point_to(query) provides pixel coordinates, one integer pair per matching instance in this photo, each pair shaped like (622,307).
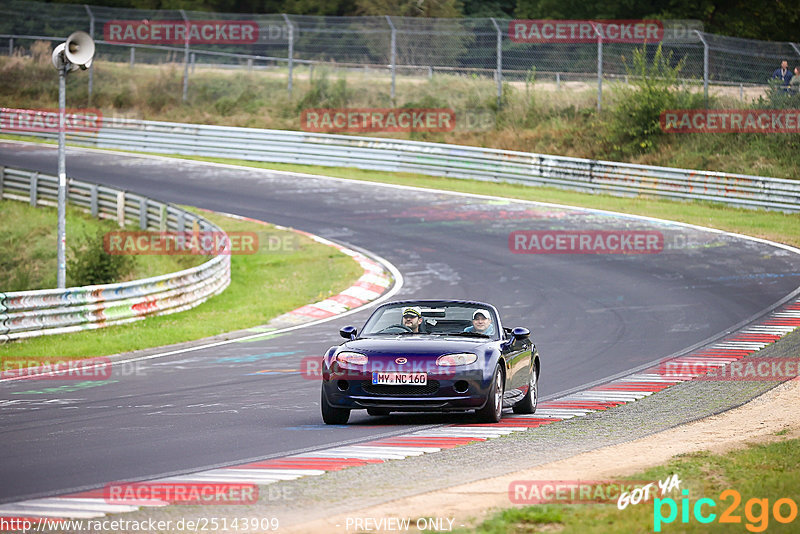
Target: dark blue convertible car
(431,355)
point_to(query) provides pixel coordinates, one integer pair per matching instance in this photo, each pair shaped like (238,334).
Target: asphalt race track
(593,316)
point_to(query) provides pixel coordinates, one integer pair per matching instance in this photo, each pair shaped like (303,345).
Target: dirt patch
(469,503)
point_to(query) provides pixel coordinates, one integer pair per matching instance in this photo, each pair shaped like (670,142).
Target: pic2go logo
(756,511)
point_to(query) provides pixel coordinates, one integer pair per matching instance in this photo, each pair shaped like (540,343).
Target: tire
(492,411)
(332,415)
(377,411)
(531,398)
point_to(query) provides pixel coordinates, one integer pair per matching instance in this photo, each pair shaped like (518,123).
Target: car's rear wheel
(492,411)
(332,415)
(531,398)
(377,411)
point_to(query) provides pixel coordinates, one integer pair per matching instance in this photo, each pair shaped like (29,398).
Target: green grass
(263,286)
(768,471)
(30,244)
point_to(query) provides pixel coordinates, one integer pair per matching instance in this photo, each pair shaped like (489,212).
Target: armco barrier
(25,314)
(438,159)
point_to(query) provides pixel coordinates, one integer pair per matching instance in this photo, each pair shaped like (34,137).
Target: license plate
(400,379)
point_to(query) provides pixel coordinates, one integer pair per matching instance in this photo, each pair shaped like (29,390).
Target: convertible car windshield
(423,318)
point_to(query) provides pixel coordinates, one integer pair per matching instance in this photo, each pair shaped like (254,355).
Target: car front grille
(376,389)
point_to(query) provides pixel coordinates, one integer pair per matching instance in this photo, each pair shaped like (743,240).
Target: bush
(323,93)
(90,264)
(635,125)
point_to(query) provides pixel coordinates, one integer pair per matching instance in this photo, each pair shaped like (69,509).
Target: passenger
(412,318)
(481,323)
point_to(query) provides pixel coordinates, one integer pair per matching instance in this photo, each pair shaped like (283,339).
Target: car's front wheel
(531,398)
(332,415)
(492,411)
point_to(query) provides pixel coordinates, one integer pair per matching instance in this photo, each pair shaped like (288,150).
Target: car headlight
(352,358)
(461,358)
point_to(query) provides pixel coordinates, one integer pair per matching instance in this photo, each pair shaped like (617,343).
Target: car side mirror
(520,333)
(348,332)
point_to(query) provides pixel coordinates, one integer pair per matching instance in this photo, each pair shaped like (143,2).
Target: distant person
(783,74)
(481,323)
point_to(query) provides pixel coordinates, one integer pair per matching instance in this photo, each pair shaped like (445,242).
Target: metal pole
(705,66)
(499,64)
(186,57)
(91,67)
(558,81)
(10,46)
(62,179)
(133,56)
(393,53)
(795,48)
(290,54)
(599,69)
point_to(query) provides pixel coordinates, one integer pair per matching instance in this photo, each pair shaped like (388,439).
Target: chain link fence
(387,47)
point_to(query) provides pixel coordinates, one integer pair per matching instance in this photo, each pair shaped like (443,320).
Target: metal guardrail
(25,314)
(437,159)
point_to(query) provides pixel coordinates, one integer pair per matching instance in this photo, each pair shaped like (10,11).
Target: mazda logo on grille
(400,361)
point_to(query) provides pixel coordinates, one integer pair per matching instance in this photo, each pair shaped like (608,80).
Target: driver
(481,323)
(412,318)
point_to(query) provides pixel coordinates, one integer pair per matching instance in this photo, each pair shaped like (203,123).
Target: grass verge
(761,474)
(31,242)
(263,286)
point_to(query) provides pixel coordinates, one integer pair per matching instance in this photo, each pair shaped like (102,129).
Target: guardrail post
(180,222)
(34,189)
(93,204)
(186,56)
(91,67)
(290,53)
(162,218)
(499,71)
(705,66)
(393,53)
(133,56)
(2,179)
(142,213)
(121,209)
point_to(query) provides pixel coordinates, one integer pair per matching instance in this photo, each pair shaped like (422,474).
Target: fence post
(142,213)
(499,63)
(393,52)
(795,48)
(10,46)
(558,81)
(34,189)
(193,61)
(290,53)
(705,66)
(186,56)
(599,69)
(133,56)
(91,67)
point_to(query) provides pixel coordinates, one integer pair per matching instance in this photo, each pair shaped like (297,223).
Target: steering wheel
(401,327)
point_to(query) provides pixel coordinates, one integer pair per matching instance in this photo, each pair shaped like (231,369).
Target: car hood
(415,345)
